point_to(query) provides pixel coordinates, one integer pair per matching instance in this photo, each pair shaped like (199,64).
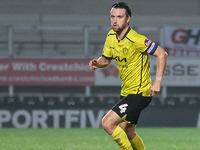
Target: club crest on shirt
(125,51)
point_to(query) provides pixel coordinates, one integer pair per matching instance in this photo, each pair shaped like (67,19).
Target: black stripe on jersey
(108,58)
(112,34)
(141,76)
(130,40)
(126,33)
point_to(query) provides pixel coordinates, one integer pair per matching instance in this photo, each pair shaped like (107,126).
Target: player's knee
(105,124)
(108,126)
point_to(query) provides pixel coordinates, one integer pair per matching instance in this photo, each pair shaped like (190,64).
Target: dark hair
(122,5)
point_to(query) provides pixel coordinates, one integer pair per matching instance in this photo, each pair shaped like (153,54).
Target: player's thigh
(130,107)
(129,129)
(110,121)
(127,126)
(111,118)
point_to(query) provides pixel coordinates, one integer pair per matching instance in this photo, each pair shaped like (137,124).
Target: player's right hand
(92,64)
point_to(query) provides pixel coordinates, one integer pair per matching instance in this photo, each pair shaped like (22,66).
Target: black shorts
(130,107)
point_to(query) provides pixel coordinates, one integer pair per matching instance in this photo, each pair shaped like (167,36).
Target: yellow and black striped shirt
(131,55)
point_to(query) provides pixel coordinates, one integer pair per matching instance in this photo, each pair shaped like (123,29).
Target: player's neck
(120,35)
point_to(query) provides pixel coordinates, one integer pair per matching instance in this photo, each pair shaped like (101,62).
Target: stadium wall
(60,117)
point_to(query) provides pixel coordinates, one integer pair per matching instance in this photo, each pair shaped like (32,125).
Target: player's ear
(128,19)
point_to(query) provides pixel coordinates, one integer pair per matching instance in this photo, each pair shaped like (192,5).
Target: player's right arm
(105,59)
(101,62)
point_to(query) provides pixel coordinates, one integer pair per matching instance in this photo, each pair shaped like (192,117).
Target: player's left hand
(155,89)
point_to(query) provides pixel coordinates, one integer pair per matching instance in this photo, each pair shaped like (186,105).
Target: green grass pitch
(96,139)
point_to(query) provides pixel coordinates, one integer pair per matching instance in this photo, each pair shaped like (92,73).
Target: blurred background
(45,47)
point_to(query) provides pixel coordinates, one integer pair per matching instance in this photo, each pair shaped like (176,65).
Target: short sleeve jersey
(131,55)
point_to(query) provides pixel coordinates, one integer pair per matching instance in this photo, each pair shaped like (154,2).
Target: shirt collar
(126,33)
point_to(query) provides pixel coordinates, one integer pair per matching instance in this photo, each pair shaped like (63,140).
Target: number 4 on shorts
(123,108)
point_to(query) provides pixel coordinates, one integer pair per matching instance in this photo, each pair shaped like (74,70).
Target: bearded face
(119,19)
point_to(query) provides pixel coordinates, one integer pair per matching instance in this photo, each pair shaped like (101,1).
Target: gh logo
(123,108)
(182,36)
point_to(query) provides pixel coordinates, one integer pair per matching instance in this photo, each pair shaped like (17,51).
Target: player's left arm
(161,66)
